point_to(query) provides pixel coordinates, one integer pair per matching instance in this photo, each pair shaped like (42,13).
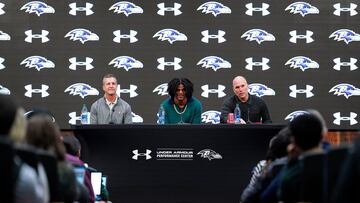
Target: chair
(312,178)
(7,171)
(50,164)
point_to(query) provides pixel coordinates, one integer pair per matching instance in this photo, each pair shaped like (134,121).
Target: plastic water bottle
(161,115)
(84,117)
(237,114)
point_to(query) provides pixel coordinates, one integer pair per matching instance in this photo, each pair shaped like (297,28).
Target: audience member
(29,186)
(110,109)
(181,107)
(253,108)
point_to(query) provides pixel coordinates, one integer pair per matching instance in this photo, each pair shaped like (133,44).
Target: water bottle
(84,117)
(237,114)
(161,115)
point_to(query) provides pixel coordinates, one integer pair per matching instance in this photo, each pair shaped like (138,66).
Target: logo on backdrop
(260,90)
(211,116)
(251,63)
(37,7)
(30,91)
(82,90)
(2,66)
(338,9)
(126,62)
(345,89)
(302,8)
(136,118)
(307,91)
(131,36)
(175,9)
(4,36)
(37,62)
(339,63)
(30,36)
(131,91)
(251,9)
(161,89)
(214,8)
(87,9)
(83,35)
(338,118)
(74,63)
(219,91)
(175,63)
(295,36)
(258,35)
(295,114)
(73,118)
(214,62)
(126,8)
(345,35)
(1,8)
(146,155)
(219,36)
(302,62)
(209,154)
(170,35)
(4,90)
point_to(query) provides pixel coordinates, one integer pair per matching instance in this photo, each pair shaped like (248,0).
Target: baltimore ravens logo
(82,90)
(258,35)
(136,118)
(126,8)
(170,35)
(214,62)
(295,114)
(260,90)
(214,8)
(4,90)
(126,62)
(302,8)
(4,36)
(345,35)
(302,62)
(345,89)
(161,89)
(212,117)
(209,154)
(83,35)
(37,62)
(37,7)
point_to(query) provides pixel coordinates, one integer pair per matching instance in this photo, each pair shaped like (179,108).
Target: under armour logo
(119,36)
(219,91)
(87,63)
(339,63)
(163,9)
(1,63)
(175,63)
(262,9)
(130,91)
(1,8)
(87,9)
(137,154)
(263,63)
(73,118)
(294,36)
(295,91)
(42,36)
(43,91)
(219,36)
(339,118)
(339,9)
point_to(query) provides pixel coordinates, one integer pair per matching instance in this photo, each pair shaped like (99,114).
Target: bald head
(240,87)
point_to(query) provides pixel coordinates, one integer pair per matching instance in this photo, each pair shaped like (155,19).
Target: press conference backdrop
(295,55)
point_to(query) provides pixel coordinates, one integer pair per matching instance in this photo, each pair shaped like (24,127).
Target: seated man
(181,107)
(110,109)
(253,108)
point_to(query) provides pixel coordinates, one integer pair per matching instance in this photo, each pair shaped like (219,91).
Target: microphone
(248,115)
(111,113)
